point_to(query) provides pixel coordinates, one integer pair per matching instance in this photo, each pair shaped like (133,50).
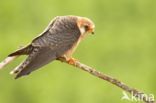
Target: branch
(114,81)
(140,95)
(7,61)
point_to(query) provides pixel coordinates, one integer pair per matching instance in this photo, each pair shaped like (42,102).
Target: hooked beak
(92,30)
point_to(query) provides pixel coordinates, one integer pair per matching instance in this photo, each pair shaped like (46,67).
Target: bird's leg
(69,60)
(72,61)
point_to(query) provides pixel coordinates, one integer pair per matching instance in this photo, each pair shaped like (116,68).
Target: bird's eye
(86,27)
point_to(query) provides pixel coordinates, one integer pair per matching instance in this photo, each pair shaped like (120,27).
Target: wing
(28,49)
(38,58)
(52,44)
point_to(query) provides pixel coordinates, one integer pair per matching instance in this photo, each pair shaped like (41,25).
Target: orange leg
(72,61)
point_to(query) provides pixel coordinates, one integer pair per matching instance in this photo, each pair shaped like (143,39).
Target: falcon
(58,41)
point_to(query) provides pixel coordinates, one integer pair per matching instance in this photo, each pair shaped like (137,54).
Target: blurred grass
(124,46)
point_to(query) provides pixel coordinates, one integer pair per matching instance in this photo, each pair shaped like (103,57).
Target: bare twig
(140,95)
(7,61)
(114,81)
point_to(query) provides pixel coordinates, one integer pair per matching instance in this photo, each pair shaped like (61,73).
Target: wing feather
(53,43)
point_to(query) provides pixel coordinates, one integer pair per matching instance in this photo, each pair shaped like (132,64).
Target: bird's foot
(72,61)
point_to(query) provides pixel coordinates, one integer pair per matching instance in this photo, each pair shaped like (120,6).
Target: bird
(58,41)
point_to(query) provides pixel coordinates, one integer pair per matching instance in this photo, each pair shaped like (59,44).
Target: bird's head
(85,25)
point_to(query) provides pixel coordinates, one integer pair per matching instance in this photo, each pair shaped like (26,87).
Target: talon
(72,61)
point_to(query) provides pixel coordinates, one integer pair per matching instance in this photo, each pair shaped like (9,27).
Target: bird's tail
(23,51)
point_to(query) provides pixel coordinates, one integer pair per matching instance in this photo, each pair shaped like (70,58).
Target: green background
(124,46)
